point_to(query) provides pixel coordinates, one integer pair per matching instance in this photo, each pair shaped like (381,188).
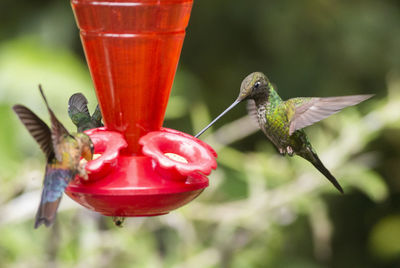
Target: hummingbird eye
(257,84)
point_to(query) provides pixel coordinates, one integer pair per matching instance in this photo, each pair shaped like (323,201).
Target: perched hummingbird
(79,113)
(283,121)
(63,152)
(80,116)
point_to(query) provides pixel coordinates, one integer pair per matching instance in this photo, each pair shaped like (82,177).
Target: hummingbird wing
(97,116)
(37,128)
(252,111)
(58,131)
(55,182)
(77,108)
(307,111)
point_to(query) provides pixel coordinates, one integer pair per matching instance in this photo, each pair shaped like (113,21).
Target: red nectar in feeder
(132,48)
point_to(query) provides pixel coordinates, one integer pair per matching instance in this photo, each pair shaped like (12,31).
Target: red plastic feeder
(132,48)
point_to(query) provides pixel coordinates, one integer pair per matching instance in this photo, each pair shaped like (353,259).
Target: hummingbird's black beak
(218,117)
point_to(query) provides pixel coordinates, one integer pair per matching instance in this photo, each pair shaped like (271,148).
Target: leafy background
(261,209)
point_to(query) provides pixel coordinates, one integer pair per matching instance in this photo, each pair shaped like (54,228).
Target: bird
(63,152)
(283,121)
(79,113)
(80,116)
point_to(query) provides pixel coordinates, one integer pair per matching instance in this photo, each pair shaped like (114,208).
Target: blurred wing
(252,111)
(37,128)
(58,131)
(77,108)
(312,110)
(55,182)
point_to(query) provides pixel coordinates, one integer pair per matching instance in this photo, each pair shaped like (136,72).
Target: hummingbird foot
(289,151)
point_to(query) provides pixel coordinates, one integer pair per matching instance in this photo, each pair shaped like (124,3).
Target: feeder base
(135,189)
(135,206)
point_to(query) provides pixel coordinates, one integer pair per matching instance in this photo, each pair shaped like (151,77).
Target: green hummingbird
(79,113)
(80,116)
(63,152)
(283,121)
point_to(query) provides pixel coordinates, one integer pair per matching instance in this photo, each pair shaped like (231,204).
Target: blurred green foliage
(261,210)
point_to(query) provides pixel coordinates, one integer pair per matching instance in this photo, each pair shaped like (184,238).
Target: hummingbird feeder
(132,48)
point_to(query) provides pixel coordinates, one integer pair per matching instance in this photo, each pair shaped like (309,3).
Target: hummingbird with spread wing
(80,116)
(283,121)
(63,152)
(79,113)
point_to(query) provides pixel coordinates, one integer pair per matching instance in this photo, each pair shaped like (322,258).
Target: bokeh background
(261,209)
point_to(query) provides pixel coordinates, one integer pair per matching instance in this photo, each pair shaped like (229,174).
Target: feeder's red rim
(201,158)
(172,187)
(74,189)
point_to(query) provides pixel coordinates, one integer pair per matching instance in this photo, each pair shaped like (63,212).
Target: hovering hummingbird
(63,152)
(79,113)
(283,121)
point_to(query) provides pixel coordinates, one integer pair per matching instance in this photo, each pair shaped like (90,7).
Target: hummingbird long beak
(218,117)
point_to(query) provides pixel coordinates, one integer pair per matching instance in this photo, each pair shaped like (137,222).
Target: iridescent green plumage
(80,116)
(79,113)
(283,121)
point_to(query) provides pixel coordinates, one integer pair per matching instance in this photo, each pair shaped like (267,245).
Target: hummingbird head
(86,145)
(254,84)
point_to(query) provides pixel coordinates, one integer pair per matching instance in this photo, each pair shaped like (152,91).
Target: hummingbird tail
(314,159)
(46,213)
